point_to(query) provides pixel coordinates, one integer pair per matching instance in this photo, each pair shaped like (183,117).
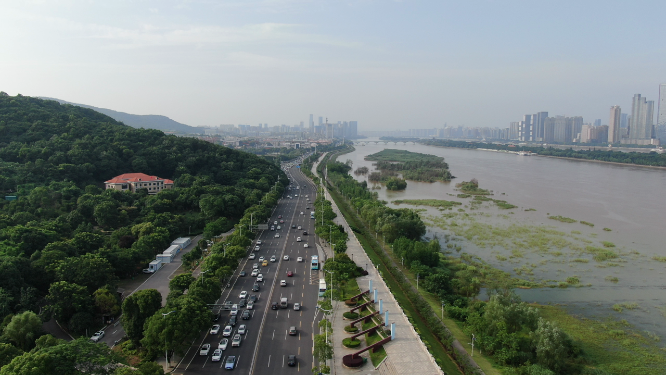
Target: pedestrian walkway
(406,354)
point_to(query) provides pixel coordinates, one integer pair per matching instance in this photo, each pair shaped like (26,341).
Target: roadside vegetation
(412,165)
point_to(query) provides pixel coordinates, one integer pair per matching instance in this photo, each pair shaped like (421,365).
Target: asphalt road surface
(266,344)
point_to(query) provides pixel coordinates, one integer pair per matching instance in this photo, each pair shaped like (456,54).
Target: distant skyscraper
(614,124)
(642,115)
(597,122)
(525,131)
(311,124)
(625,121)
(321,120)
(661,116)
(353,129)
(538,121)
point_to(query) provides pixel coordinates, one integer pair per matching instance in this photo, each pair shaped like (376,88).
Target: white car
(252,256)
(243,294)
(215,329)
(234,309)
(97,336)
(205,349)
(242,329)
(305,245)
(275,222)
(286,257)
(261,259)
(273,259)
(283,282)
(297,306)
(301,212)
(257,248)
(260,277)
(217,355)
(279,227)
(254,273)
(299,259)
(250,305)
(227,331)
(298,239)
(258,242)
(277,235)
(299,227)
(236,341)
(223,344)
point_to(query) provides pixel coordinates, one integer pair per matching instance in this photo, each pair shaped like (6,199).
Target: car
(301,212)
(252,256)
(236,341)
(216,317)
(257,248)
(283,282)
(297,306)
(292,331)
(279,227)
(217,355)
(242,274)
(307,208)
(291,360)
(296,195)
(305,232)
(273,259)
(261,259)
(233,320)
(205,349)
(242,302)
(250,306)
(258,242)
(254,273)
(277,235)
(290,273)
(260,277)
(293,226)
(286,257)
(215,329)
(254,298)
(255,287)
(275,222)
(306,245)
(299,259)
(274,306)
(147,270)
(255,266)
(279,216)
(298,239)
(243,294)
(226,332)
(281,221)
(230,363)
(223,344)
(97,336)
(242,329)
(265,263)
(299,227)
(272,227)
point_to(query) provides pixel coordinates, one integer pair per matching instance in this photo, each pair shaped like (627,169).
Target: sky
(387,64)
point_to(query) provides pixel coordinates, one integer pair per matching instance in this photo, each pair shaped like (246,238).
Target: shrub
(351,329)
(350,315)
(349,343)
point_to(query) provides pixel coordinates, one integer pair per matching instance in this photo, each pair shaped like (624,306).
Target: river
(627,200)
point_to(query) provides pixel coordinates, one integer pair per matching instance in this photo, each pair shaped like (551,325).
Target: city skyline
(388,65)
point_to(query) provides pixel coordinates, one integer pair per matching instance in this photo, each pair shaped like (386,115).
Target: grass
(607,229)
(611,346)
(619,307)
(612,279)
(428,202)
(562,219)
(659,258)
(586,223)
(607,244)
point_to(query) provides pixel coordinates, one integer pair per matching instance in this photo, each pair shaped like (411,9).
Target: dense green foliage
(412,165)
(640,158)
(66,239)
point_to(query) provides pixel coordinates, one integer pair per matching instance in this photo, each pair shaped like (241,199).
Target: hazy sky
(386,64)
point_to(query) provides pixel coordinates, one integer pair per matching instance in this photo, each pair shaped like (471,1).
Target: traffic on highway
(265,319)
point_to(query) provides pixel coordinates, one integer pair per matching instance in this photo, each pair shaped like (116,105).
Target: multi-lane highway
(267,344)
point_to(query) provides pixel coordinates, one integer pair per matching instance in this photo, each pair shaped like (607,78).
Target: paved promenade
(406,354)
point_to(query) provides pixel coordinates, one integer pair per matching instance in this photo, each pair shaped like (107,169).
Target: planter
(351,344)
(351,303)
(350,329)
(350,316)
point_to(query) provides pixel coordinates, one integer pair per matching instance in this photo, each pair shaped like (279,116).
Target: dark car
(254,298)
(242,302)
(216,317)
(242,273)
(274,305)
(255,287)
(305,232)
(245,315)
(293,226)
(291,360)
(232,321)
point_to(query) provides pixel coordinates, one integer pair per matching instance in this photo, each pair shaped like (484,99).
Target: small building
(182,242)
(136,181)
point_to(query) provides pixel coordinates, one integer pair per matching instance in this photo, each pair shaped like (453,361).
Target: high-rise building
(614,124)
(661,112)
(597,122)
(311,124)
(353,129)
(624,122)
(321,120)
(538,121)
(642,118)
(525,130)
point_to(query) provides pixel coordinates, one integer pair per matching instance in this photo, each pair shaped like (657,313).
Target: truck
(283,302)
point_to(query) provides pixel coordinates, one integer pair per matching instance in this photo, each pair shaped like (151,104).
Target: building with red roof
(135,181)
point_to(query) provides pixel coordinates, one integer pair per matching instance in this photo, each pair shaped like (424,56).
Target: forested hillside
(65,239)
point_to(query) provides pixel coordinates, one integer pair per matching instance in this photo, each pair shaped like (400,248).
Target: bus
(315,262)
(322,287)
(311,214)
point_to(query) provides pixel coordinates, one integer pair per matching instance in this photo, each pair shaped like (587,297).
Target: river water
(628,200)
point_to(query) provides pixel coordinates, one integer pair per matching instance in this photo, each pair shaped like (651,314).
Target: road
(266,344)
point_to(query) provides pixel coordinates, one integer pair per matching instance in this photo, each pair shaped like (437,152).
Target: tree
(181,282)
(552,346)
(7,353)
(137,308)
(66,299)
(107,214)
(322,349)
(90,270)
(23,329)
(106,302)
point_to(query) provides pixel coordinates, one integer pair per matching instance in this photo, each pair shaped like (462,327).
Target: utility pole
(166,352)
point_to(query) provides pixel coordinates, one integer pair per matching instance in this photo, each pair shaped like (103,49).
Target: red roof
(135,177)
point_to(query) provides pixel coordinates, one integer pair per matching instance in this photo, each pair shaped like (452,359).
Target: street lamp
(166,352)
(443,304)
(201,274)
(417,281)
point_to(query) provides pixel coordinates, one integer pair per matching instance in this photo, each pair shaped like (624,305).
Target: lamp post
(417,281)
(402,260)
(166,352)
(443,304)
(201,274)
